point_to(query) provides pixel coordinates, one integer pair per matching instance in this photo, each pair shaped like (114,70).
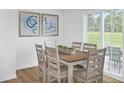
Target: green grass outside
(111,39)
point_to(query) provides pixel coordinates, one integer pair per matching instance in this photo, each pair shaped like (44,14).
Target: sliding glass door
(105,30)
(113,41)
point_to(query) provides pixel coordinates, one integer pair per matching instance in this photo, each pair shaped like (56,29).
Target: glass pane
(118,16)
(107,29)
(93,28)
(113,39)
(113,29)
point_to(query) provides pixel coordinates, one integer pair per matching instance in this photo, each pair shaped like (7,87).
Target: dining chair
(88,46)
(55,69)
(114,54)
(77,45)
(94,69)
(41,62)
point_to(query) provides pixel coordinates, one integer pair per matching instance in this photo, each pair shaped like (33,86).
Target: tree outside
(112,28)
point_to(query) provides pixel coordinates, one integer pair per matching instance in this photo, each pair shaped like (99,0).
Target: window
(93,28)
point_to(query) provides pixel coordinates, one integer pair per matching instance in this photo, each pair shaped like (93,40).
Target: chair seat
(82,74)
(78,67)
(63,69)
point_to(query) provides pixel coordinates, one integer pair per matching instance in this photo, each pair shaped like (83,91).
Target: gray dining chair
(41,62)
(55,69)
(93,72)
(86,47)
(114,54)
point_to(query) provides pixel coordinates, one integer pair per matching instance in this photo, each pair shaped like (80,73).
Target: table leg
(70,73)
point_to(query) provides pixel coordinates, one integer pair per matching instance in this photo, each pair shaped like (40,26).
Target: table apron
(73,63)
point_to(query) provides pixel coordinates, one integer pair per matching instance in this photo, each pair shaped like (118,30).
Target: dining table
(71,60)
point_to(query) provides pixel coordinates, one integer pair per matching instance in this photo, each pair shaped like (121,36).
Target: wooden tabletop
(73,57)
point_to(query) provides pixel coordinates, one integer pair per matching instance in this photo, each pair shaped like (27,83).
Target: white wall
(19,52)
(25,54)
(8,28)
(72,26)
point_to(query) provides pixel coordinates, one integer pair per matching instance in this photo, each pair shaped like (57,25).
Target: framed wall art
(29,24)
(50,25)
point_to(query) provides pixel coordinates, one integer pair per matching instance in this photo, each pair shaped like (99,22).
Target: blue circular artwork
(31,23)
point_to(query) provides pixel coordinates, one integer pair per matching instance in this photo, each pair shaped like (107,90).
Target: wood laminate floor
(30,75)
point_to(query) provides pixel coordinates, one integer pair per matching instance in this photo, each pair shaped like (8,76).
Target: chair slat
(89,46)
(77,45)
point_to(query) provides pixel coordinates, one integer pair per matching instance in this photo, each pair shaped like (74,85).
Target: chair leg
(59,80)
(100,80)
(49,78)
(64,80)
(119,67)
(44,77)
(39,75)
(114,64)
(74,80)
(109,65)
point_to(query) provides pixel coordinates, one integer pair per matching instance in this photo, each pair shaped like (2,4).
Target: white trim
(101,29)
(85,27)
(26,66)
(4,78)
(91,11)
(123,44)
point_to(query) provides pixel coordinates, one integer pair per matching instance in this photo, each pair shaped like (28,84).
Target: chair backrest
(50,44)
(95,62)
(114,53)
(88,46)
(40,54)
(77,45)
(52,57)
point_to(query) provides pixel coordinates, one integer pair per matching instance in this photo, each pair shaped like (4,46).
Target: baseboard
(4,78)
(26,66)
